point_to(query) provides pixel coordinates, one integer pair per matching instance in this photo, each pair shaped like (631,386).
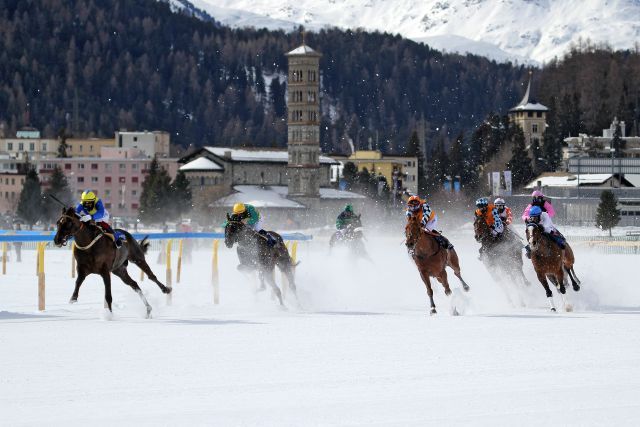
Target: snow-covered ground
(361,349)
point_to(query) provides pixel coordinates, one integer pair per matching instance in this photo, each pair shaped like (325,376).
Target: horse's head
(534,234)
(412,231)
(68,224)
(232,230)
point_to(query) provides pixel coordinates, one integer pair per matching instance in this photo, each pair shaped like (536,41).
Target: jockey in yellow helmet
(250,216)
(91,208)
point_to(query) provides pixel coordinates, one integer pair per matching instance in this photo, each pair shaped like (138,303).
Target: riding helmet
(88,196)
(482,202)
(499,202)
(348,208)
(535,211)
(414,203)
(239,208)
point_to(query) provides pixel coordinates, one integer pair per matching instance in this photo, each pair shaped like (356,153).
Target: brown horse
(95,253)
(502,254)
(255,251)
(431,259)
(551,262)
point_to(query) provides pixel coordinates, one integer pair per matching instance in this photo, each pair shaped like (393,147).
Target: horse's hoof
(447,292)
(433,311)
(148,314)
(166,290)
(73,300)
(553,309)
(466,288)
(576,288)
(568,308)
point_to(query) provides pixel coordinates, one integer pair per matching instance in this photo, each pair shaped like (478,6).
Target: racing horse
(431,259)
(254,251)
(503,253)
(351,237)
(95,253)
(551,262)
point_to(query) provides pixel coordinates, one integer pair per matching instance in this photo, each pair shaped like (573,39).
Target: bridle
(73,233)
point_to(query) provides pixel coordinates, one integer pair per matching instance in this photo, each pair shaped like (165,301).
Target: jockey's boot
(527,251)
(118,242)
(270,240)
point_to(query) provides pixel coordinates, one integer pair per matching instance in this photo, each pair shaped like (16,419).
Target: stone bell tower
(303,122)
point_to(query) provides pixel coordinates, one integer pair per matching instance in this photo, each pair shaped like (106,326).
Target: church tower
(531,116)
(303,122)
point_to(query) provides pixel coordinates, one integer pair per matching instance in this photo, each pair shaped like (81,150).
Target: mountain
(522,30)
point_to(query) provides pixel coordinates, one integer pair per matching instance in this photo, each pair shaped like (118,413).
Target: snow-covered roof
(260,197)
(529,104)
(303,50)
(633,178)
(569,180)
(275,196)
(201,164)
(258,155)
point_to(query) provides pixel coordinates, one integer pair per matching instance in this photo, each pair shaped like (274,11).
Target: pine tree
(608,214)
(456,158)
(414,149)
(520,163)
(617,143)
(155,201)
(437,167)
(58,187)
(30,202)
(182,198)
(349,173)
(63,146)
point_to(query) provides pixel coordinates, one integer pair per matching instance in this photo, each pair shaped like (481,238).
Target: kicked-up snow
(358,349)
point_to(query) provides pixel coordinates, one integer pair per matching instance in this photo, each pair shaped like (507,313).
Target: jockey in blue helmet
(543,219)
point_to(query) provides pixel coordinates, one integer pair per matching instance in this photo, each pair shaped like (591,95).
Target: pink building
(116,176)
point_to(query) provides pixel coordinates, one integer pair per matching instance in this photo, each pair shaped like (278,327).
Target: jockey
(345,218)
(491,216)
(543,219)
(538,199)
(92,208)
(428,218)
(504,211)
(245,211)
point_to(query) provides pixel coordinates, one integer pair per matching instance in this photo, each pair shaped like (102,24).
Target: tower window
(534,128)
(529,113)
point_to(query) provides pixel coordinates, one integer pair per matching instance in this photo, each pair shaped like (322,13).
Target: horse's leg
(142,264)
(543,280)
(574,284)
(81,276)
(269,276)
(106,278)
(427,284)
(573,273)
(454,263)
(123,274)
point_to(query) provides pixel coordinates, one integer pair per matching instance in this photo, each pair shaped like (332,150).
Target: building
(10,187)
(88,147)
(154,143)
(303,122)
(399,170)
(531,116)
(27,145)
(116,176)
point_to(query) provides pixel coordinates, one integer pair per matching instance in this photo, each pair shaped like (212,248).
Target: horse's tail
(144,244)
(137,249)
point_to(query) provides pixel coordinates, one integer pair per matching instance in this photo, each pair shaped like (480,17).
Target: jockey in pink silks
(538,199)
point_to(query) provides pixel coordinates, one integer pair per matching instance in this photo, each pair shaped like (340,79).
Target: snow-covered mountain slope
(538,30)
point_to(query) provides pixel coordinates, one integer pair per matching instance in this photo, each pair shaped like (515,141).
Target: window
(534,128)
(80,165)
(539,114)
(529,113)
(80,148)
(91,148)
(67,166)
(123,166)
(135,139)
(94,166)
(32,146)
(13,181)
(134,179)
(122,180)
(9,146)
(94,179)
(107,167)
(107,205)
(80,179)
(134,166)
(20,146)
(134,206)
(134,192)
(44,146)
(107,179)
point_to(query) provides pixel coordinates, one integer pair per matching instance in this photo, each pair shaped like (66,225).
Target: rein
(93,242)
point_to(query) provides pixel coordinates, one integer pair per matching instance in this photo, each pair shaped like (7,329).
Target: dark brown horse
(96,253)
(255,251)
(431,258)
(551,262)
(502,254)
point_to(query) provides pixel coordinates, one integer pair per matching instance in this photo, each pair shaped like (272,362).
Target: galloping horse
(95,253)
(551,262)
(351,237)
(502,254)
(254,250)
(431,258)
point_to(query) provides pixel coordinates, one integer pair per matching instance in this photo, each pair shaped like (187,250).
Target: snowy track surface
(361,351)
